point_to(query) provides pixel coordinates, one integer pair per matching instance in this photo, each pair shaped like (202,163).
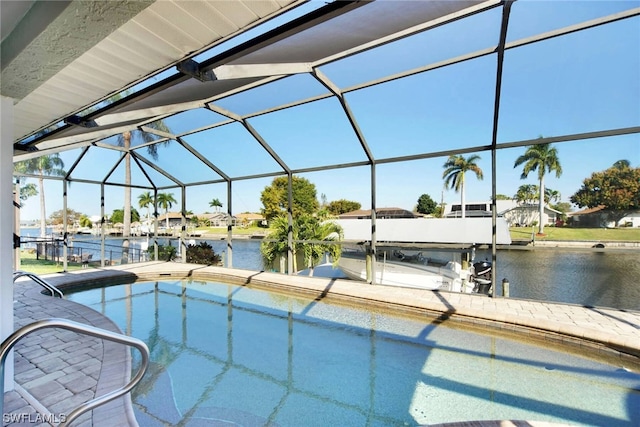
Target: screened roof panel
(545,94)
(367,22)
(157,179)
(529,17)
(189,169)
(475,33)
(311,135)
(112,140)
(189,90)
(96,164)
(444,109)
(193,119)
(583,81)
(280,92)
(234,150)
(138,178)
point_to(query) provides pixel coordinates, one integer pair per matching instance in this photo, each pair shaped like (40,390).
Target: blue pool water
(229,355)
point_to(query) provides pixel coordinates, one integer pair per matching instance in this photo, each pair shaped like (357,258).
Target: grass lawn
(565,233)
(28,262)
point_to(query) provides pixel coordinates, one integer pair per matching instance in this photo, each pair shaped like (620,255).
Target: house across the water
(515,214)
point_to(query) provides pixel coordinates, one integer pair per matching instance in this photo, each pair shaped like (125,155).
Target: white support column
(6,232)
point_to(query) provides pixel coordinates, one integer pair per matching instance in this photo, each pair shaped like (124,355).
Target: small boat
(418,271)
(395,266)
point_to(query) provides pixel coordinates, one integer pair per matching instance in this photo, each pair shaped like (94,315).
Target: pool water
(228,355)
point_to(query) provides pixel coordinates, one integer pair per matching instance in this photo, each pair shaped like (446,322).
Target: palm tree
(145,200)
(51,165)
(551,195)
(28,190)
(305,227)
(314,228)
(543,158)
(455,169)
(526,193)
(165,201)
(124,140)
(276,243)
(215,203)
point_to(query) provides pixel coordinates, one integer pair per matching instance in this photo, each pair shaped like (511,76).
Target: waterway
(573,276)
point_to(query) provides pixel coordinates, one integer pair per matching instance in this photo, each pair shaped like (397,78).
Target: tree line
(617,188)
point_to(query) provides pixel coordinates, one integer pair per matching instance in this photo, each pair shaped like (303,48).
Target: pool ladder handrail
(40,281)
(81,328)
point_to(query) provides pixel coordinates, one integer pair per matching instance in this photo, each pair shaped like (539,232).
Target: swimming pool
(224,354)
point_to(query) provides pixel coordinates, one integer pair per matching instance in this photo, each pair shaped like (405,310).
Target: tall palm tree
(215,203)
(51,165)
(165,201)
(455,169)
(28,190)
(145,200)
(124,140)
(542,158)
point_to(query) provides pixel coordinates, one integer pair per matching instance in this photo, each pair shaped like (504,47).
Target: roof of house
(171,215)
(587,211)
(250,216)
(221,215)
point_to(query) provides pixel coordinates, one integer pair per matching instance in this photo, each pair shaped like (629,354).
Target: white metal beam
(243,71)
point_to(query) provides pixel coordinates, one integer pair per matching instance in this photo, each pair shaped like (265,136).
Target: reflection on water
(228,355)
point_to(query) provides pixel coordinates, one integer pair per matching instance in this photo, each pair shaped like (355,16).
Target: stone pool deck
(61,369)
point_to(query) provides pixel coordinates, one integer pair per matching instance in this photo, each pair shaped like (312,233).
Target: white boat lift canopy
(419,230)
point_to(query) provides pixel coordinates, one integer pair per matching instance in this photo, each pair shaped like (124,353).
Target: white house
(516,214)
(219,219)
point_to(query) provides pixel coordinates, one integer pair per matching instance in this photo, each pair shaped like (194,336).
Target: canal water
(589,278)
(601,279)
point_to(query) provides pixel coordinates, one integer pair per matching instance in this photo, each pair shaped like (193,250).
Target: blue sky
(585,81)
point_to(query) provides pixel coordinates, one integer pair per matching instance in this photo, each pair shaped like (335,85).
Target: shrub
(202,253)
(165,253)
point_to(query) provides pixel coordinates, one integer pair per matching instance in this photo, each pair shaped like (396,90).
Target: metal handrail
(48,286)
(81,328)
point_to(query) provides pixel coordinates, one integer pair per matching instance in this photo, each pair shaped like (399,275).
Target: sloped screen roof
(354,84)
